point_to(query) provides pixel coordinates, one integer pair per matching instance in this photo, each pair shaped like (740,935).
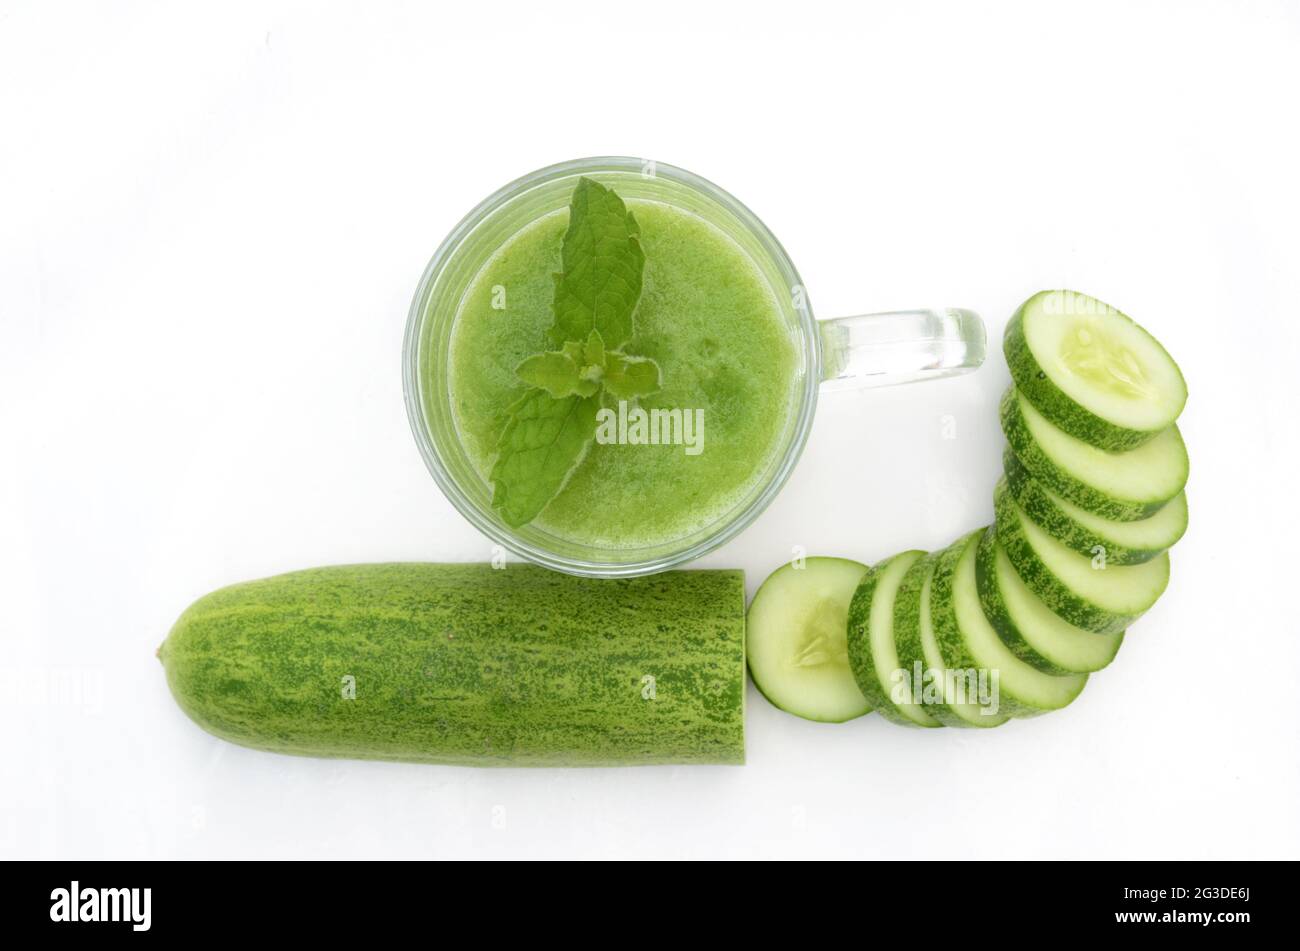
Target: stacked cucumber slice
(1010,619)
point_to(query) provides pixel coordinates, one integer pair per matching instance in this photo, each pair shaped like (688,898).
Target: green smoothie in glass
(651,435)
(611,366)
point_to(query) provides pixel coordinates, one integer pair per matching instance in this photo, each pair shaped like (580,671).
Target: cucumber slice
(970,643)
(1087,592)
(1124,543)
(1029,627)
(1092,371)
(944,697)
(873,656)
(795,640)
(1123,486)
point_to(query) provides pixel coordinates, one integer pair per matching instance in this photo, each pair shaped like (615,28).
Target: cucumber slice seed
(1029,627)
(1086,592)
(795,639)
(1123,486)
(1122,543)
(1092,371)
(873,655)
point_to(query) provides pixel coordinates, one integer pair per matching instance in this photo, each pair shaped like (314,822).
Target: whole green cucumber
(470,665)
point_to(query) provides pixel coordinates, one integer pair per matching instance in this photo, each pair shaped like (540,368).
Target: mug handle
(902,346)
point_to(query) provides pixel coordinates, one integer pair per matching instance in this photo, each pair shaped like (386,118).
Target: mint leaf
(557,373)
(602,263)
(544,441)
(627,377)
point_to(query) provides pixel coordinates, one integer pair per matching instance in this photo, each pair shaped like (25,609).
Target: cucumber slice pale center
(1093,355)
(821,641)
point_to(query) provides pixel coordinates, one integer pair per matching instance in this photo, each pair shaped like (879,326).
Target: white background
(211,223)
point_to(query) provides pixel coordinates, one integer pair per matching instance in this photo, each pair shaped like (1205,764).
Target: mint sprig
(550,428)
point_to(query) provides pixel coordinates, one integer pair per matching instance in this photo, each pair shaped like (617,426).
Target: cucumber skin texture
(1063,483)
(1059,408)
(991,601)
(943,616)
(1038,505)
(1042,582)
(463,664)
(907,635)
(995,610)
(861,662)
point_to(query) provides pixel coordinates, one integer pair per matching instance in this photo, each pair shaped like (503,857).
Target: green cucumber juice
(726,356)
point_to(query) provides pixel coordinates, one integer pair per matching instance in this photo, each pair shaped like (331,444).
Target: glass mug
(867,350)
